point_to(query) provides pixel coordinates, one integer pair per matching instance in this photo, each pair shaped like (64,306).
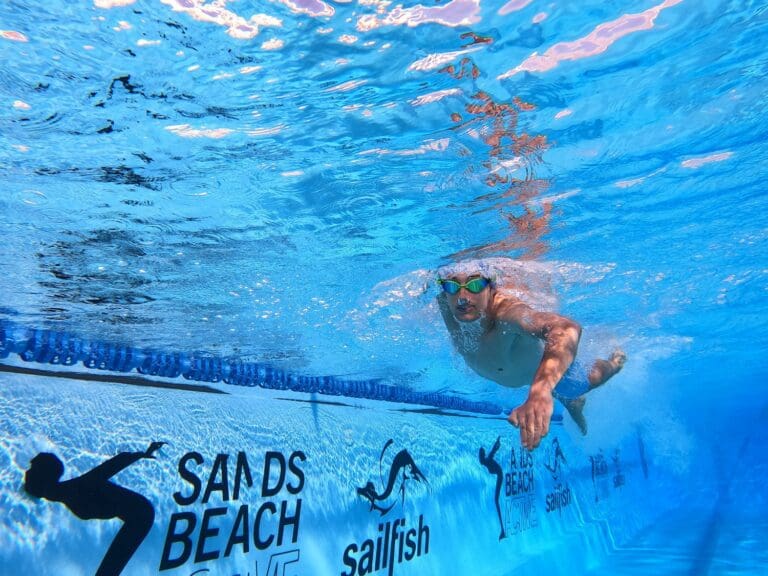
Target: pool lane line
(113,379)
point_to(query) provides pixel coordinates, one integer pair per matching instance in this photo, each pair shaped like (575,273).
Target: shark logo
(92,496)
(401,470)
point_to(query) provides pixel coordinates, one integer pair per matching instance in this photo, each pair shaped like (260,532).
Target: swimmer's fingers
(527,428)
(542,419)
(528,438)
(542,415)
(522,419)
(535,432)
(517,419)
(153,447)
(543,425)
(533,423)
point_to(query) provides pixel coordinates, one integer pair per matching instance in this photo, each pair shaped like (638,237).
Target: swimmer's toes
(618,358)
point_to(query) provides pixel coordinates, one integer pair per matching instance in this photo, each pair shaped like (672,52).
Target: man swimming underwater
(505,340)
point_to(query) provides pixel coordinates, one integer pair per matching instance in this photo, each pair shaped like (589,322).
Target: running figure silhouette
(92,496)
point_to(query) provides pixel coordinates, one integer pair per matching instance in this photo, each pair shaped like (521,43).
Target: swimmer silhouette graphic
(93,497)
(402,469)
(554,460)
(494,468)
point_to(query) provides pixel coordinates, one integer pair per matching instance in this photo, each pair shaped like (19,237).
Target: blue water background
(285,196)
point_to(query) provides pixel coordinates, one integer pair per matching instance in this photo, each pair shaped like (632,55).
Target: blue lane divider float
(63,348)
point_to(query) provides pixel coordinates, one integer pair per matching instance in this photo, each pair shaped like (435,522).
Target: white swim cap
(527,280)
(483,267)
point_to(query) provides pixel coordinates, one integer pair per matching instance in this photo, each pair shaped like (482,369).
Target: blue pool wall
(595,501)
(238,463)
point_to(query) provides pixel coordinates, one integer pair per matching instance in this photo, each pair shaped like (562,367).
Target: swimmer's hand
(154,447)
(533,416)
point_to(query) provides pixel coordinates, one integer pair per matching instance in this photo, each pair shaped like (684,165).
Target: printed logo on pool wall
(397,540)
(516,510)
(602,480)
(275,522)
(600,473)
(560,497)
(93,497)
(618,478)
(212,535)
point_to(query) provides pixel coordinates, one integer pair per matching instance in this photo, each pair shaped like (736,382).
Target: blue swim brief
(575,381)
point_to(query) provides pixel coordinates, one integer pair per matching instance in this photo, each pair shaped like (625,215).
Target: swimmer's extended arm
(107,469)
(120,462)
(561,340)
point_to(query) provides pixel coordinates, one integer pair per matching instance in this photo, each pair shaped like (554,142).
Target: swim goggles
(476,285)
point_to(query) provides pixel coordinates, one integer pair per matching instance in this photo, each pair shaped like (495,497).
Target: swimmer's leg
(601,372)
(499,482)
(575,407)
(138,516)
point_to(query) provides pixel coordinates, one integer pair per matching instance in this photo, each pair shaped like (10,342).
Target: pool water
(276,183)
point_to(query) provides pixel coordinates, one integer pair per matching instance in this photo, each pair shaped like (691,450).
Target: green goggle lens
(476,285)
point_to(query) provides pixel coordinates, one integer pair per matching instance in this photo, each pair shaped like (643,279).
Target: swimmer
(503,339)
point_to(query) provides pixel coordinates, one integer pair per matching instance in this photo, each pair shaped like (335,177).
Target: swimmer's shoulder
(507,309)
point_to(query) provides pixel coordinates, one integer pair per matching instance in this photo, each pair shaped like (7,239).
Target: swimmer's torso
(502,354)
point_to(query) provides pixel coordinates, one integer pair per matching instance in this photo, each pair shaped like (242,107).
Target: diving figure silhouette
(92,496)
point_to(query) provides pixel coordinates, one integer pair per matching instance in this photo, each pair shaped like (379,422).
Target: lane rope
(66,349)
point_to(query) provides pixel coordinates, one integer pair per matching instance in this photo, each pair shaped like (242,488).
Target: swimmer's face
(467,306)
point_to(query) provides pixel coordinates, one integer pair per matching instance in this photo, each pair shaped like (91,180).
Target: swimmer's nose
(462,302)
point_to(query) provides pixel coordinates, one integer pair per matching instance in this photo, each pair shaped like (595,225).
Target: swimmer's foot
(604,370)
(617,360)
(575,408)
